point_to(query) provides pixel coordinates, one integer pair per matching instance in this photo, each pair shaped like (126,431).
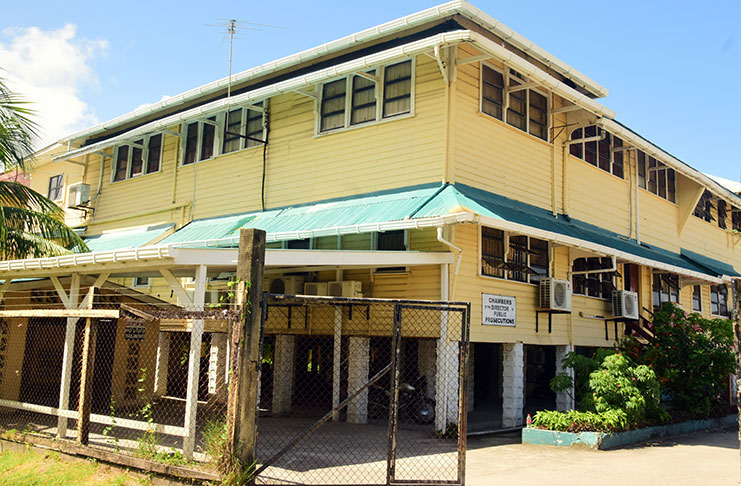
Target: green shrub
(691,356)
(575,421)
(583,366)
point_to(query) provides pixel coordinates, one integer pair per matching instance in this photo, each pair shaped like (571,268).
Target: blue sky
(671,67)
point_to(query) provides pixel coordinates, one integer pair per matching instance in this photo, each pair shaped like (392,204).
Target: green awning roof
(380,207)
(429,201)
(461,197)
(128,238)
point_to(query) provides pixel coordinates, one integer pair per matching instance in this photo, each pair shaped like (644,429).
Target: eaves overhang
(372,34)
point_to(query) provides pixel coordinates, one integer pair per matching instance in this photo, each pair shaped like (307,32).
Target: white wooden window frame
(647,175)
(145,158)
(218,137)
(612,153)
(135,282)
(506,91)
(60,196)
(242,127)
(606,298)
(505,245)
(380,96)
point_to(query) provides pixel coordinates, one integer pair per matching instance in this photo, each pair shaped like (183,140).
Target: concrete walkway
(702,458)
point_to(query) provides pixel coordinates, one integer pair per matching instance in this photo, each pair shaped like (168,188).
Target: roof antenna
(231,26)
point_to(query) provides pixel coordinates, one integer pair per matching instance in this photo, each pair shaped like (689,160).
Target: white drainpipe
(458,261)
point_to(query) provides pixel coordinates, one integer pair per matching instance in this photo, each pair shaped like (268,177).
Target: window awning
(127,238)
(508,214)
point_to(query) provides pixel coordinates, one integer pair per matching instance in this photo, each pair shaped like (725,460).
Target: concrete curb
(603,441)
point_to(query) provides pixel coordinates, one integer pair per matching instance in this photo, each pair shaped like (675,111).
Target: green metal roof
(428,201)
(117,240)
(380,207)
(460,197)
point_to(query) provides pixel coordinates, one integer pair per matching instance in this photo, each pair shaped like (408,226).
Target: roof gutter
(367,35)
(397,53)
(671,161)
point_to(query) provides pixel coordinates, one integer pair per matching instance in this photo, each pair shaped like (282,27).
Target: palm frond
(18,131)
(15,194)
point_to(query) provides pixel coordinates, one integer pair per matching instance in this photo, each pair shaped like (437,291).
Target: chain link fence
(361,391)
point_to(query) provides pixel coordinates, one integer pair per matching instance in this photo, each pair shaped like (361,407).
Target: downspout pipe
(450,245)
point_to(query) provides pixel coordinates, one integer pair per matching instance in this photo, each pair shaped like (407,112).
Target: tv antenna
(231,28)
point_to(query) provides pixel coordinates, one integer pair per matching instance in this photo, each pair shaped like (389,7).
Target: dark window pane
(137,158)
(722,214)
(697,298)
(590,148)
(191,143)
(304,244)
(579,282)
(576,149)
(333,105)
(517,258)
(652,187)
(397,89)
(363,100)
(617,158)
(55,187)
(154,153)
(538,259)
(122,163)
(671,185)
(492,252)
(492,98)
(391,240)
(516,113)
(255,128)
(661,177)
(603,153)
(233,131)
(207,140)
(538,115)
(641,157)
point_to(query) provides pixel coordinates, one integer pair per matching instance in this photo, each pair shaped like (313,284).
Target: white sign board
(498,310)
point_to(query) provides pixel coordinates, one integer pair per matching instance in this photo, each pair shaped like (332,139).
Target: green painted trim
(602,441)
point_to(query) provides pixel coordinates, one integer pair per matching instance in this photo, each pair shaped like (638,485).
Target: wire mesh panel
(330,407)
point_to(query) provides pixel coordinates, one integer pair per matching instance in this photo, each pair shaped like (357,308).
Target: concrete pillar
(357,376)
(446,379)
(194,364)
(564,399)
(513,390)
(426,363)
(217,367)
(283,364)
(163,358)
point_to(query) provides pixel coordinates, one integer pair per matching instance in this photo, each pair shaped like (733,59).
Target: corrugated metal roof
(128,238)
(380,207)
(461,197)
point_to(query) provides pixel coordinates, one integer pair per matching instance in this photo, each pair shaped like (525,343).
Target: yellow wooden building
(438,156)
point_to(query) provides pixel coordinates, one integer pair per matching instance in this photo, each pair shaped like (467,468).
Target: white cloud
(50,68)
(145,105)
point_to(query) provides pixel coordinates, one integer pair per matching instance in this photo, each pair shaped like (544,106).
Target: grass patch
(35,468)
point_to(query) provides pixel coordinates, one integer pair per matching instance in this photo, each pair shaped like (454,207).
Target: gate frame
(399,304)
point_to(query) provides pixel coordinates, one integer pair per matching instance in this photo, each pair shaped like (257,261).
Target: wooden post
(69,347)
(243,388)
(86,380)
(194,364)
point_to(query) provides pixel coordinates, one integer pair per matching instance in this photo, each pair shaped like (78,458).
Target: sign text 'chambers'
(498,310)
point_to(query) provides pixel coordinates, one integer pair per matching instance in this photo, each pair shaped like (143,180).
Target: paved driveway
(703,458)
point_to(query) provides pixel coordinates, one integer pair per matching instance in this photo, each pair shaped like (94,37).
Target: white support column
(426,360)
(194,364)
(217,367)
(564,399)
(69,348)
(446,372)
(513,376)
(163,359)
(357,376)
(283,369)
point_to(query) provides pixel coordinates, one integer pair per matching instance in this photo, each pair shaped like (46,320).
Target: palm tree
(30,224)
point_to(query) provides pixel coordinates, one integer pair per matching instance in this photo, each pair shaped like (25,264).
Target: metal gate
(362,391)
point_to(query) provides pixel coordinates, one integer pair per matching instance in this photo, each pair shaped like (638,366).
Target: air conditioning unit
(78,194)
(625,304)
(290,284)
(345,288)
(555,294)
(315,288)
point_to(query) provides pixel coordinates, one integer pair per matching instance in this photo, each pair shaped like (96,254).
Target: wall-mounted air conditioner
(555,295)
(78,194)
(315,288)
(625,304)
(345,288)
(290,284)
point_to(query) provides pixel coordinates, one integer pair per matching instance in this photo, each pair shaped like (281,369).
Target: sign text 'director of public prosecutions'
(498,310)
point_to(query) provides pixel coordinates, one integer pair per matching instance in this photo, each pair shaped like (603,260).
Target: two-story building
(437,156)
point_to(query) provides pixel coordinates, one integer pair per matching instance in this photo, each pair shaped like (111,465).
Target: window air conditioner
(625,304)
(78,194)
(315,288)
(291,285)
(345,288)
(555,294)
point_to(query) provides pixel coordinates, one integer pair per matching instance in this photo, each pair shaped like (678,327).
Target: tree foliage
(30,224)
